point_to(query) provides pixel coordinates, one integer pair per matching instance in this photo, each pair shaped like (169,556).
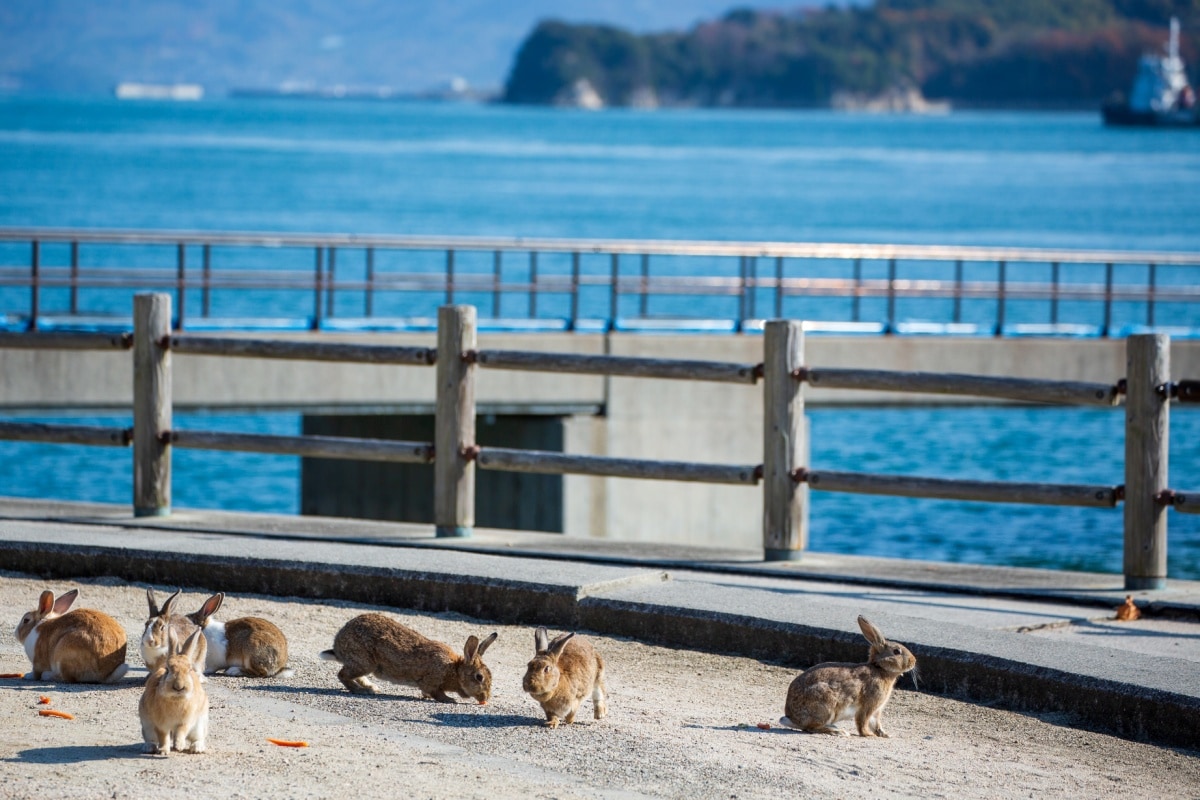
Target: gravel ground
(680,724)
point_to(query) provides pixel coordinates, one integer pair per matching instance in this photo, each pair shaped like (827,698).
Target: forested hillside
(972,53)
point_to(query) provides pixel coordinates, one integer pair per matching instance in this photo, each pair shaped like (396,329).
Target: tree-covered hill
(1013,53)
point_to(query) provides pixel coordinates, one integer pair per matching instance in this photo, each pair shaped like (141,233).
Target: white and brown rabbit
(154,646)
(562,673)
(249,646)
(83,646)
(825,694)
(375,645)
(174,705)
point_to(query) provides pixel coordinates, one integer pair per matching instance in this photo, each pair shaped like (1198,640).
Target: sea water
(1013,179)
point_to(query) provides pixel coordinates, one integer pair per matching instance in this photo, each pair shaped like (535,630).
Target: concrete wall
(673,420)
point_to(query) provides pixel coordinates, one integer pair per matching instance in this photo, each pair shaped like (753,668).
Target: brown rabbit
(154,646)
(249,646)
(84,646)
(174,706)
(372,644)
(562,673)
(825,694)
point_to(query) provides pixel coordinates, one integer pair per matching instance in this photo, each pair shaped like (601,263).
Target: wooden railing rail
(1018,389)
(305,351)
(310,446)
(786,477)
(674,369)
(948,489)
(96,435)
(559,463)
(65,340)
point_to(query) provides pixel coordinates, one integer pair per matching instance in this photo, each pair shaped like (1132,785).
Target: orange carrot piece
(49,712)
(43,701)
(766,726)
(286,743)
(12,675)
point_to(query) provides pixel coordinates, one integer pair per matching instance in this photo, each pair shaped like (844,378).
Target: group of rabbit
(89,646)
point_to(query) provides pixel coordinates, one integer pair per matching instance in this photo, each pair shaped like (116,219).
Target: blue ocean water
(1019,179)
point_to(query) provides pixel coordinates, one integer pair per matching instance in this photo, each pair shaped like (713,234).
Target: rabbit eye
(546,668)
(479,677)
(896,651)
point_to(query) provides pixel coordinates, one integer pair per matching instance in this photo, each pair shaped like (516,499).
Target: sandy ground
(680,724)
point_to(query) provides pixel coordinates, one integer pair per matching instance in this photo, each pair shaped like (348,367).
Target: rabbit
(249,646)
(562,673)
(824,694)
(372,644)
(84,646)
(174,705)
(154,646)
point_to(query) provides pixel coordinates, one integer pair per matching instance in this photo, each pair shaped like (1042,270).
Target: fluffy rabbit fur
(249,646)
(825,694)
(562,673)
(372,644)
(174,706)
(84,646)
(154,646)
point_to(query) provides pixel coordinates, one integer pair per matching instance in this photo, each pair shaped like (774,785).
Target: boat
(1161,95)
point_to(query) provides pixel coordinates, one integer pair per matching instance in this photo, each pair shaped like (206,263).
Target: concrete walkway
(1023,639)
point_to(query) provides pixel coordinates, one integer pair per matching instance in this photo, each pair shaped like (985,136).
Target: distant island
(897,55)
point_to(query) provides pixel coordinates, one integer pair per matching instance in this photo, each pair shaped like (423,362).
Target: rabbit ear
(168,608)
(486,643)
(556,647)
(64,601)
(210,607)
(541,640)
(46,602)
(172,640)
(152,602)
(873,634)
(192,646)
(471,648)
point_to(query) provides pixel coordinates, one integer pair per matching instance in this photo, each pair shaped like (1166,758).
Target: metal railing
(589,284)
(1147,391)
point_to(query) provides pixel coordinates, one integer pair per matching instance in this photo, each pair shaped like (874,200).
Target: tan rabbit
(84,646)
(174,706)
(825,694)
(154,645)
(562,673)
(249,646)
(372,644)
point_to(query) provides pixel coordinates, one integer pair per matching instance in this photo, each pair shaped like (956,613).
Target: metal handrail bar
(562,284)
(829,250)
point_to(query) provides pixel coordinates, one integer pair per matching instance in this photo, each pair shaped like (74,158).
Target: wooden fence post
(151,405)
(785,501)
(1147,423)
(453,473)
